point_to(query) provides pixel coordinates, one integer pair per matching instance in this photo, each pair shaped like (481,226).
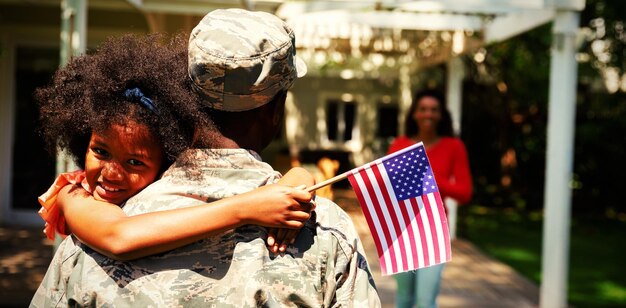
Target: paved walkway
(471,279)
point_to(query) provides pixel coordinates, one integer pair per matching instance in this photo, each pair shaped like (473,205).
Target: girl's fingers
(301,195)
(299,215)
(306,207)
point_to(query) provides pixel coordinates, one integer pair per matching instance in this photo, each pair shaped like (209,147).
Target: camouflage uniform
(326,267)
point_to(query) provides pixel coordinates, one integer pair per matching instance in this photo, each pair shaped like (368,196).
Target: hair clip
(136,94)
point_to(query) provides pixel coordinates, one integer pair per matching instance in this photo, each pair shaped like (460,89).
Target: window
(387,116)
(340,120)
(33,167)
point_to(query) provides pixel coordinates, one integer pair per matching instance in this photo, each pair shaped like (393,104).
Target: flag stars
(409,174)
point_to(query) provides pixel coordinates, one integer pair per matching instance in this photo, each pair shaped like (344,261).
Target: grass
(597,274)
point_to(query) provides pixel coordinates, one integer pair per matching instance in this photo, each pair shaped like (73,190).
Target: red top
(448,158)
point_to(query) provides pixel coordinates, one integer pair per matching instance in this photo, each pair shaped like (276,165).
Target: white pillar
(406,97)
(73,29)
(559,160)
(454,95)
(73,43)
(454,91)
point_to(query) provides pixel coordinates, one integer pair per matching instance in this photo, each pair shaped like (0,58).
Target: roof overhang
(428,32)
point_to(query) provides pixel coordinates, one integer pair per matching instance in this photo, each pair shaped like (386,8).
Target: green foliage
(596,274)
(505,116)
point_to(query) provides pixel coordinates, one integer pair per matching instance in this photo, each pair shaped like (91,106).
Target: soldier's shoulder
(334,219)
(329,211)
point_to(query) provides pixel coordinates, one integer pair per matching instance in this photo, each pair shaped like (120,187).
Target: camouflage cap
(239,60)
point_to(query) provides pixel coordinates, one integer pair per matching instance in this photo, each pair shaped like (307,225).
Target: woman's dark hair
(88,94)
(444,128)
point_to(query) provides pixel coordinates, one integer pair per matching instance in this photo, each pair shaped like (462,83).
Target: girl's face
(427,115)
(122,161)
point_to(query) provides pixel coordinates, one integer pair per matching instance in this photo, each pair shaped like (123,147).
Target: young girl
(120,113)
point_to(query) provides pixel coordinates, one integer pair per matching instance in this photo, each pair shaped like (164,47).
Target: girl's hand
(279,238)
(276,206)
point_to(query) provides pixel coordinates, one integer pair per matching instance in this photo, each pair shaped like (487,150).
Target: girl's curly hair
(88,95)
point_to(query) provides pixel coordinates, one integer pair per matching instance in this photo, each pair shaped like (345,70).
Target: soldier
(241,63)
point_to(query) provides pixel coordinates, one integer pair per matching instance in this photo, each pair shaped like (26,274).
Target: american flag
(403,208)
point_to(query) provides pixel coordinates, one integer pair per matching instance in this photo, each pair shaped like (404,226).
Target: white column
(73,43)
(559,159)
(406,97)
(454,91)
(454,94)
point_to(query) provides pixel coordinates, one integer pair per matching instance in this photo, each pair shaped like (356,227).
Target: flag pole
(329,181)
(345,174)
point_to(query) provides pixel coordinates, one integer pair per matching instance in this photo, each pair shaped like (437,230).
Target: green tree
(505,115)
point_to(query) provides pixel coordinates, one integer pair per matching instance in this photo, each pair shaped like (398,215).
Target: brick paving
(24,257)
(471,279)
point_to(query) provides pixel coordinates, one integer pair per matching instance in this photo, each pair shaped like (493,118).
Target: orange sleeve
(50,211)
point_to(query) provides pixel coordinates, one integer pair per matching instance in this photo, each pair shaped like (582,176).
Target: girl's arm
(105,227)
(279,238)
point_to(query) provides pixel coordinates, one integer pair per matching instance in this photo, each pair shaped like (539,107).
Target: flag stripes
(410,233)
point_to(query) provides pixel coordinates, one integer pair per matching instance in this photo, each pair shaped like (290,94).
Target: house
(363,59)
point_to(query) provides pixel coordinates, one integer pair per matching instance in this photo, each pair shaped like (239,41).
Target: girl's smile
(122,161)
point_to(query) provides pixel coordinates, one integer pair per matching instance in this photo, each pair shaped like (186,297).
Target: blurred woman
(429,121)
